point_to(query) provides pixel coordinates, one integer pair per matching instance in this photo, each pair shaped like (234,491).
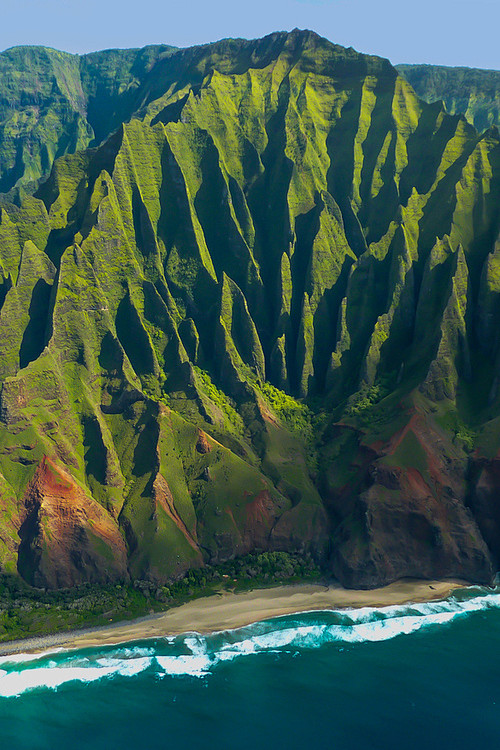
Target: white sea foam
(22,658)
(194,666)
(16,683)
(130,653)
(195,655)
(53,675)
(126,667)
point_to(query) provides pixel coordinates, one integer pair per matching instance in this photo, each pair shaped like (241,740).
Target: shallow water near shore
(390,677)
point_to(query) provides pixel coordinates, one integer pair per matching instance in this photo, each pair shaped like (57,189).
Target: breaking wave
(194,655)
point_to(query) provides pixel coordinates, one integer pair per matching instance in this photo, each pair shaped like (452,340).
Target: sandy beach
(226,611)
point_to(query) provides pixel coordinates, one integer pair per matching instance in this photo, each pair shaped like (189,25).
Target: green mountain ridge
(53,102)
(472,92)
(258,314)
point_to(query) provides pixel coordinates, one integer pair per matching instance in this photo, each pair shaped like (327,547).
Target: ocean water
(413,676)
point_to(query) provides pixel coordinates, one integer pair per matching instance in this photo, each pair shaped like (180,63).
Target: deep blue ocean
(414,676)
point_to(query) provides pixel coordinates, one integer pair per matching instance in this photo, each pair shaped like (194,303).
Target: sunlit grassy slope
(257,308)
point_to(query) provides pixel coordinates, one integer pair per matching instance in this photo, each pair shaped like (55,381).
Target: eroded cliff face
(410,515)
(262,314)
(67,538)
(472,92)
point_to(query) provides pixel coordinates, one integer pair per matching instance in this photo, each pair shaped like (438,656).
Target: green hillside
(256,310)
(472,92)
(53,103)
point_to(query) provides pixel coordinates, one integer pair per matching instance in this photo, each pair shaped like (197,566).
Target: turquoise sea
(413,676)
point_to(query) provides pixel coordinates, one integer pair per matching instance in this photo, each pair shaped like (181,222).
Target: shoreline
(228,611)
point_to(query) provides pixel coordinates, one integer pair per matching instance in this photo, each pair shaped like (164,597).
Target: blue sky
(448,32)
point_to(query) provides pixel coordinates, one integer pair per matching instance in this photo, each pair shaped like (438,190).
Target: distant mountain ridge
(53,103)
(258,311)
(472,92)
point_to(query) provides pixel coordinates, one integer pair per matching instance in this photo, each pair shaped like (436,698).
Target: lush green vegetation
(28,612)
(220,399)
(363,401)
(280,211)
(295,415)
(471,92)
